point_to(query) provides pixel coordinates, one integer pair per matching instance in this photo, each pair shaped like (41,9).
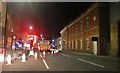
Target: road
(64,61)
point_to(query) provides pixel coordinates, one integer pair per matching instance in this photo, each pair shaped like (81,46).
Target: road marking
(66,55)
(90,62)
(46,65)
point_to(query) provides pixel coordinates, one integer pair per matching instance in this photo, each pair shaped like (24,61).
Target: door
(95,47)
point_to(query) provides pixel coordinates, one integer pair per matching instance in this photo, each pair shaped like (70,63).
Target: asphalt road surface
(64,61)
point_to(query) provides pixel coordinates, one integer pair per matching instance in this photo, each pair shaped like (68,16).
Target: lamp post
(31,28)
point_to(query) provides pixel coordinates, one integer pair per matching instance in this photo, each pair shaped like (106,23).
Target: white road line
(66,55)
(69,56)
(41,56)
(90,62)
(46,65)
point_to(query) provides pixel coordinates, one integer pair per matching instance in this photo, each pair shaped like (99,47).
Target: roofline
(84,13)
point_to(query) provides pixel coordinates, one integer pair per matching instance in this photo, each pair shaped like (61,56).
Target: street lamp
(41,35)
(53,40)
(31,27)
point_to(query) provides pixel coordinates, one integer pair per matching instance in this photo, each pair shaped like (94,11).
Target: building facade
(9,24)
(89,33)
(114,29)
(2,22)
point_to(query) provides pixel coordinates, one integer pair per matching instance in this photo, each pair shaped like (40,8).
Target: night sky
(50,18)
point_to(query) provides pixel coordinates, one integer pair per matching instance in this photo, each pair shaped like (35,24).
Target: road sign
(18,44)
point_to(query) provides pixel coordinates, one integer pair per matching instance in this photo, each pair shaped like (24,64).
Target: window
(3,40)
(72,44)
(76,44)
(94,18)
(0,16)
(80,44)
(87,44)
(12,30)
(87,21)
(69,44)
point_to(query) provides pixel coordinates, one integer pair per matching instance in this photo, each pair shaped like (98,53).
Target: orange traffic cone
(44,55)
(23,58)
(9,60)
(35,55)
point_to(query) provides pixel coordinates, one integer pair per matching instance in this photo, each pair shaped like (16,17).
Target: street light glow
(30,27)
(41,35)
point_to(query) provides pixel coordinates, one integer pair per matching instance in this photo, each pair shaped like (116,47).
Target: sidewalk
(14,53)
(88,54)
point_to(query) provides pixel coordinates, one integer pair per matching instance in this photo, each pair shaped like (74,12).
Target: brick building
(10,25)
(89,32)
(2,22)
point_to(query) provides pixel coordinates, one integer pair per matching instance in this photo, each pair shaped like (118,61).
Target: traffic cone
(35,55)
(23,58)
(57,51)
(9,60)
(52,53)
(44,54)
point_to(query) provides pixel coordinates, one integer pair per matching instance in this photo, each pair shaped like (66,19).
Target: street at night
(59,36)
(65,61)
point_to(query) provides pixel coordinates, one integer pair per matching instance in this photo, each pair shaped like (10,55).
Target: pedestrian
(31,44)
(36,48)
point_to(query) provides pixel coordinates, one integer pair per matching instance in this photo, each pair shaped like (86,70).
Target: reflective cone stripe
(44,54)
(52,52)
(23,58)
(35,55)
(9,60)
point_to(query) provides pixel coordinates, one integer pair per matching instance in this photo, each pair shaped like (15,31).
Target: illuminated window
(87,44)
(80,44)
(94,18)
(12,30)
(87,21)
(10,40)
(76,44)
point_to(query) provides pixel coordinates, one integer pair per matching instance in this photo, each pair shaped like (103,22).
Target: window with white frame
(87,44)
(76,44)
(94,18)
(81,44)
